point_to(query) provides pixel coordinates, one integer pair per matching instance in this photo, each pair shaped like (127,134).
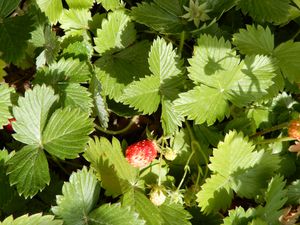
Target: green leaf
(75,19)
(110,4)
(5,104)
(82,50)
(117,32)
(202,104)
(32,220)
(7,7)
(293,192)
(114,214)
(143,95)
(99,102)
(275,197)
(215,194)
(138,202)
(79,4)
(266,11)
(52,8)
(161,15)
(66,132)
(28,170)
(254,40)
(234,153)
(51,47)
(75,95)
(79,196)
(211,56)
(32,113)
(170,119)
(15,32)
(163,61)
(120,69)
(287,54)
(250,81)
(238,216)
(174,214)
(107,159)
(235,165)
(249,182)
(64,71)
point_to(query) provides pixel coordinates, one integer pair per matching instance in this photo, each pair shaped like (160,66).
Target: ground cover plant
(150,112)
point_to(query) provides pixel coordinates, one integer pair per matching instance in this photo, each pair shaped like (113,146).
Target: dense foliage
(215,86)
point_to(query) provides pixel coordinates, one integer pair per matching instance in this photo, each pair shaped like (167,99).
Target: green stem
(159,170)
(181,43)
(273,140)
(115,132)
(194,145)
(270,129)
(295,35)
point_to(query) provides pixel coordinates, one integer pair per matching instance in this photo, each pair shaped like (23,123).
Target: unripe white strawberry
(157,195)
(170,154)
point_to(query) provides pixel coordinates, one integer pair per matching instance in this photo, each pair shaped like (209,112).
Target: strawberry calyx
(142,153)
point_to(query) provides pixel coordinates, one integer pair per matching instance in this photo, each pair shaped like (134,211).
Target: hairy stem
(115,132)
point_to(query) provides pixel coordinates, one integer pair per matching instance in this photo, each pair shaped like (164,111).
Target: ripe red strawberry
(9,127)
(142,153)
(294,129)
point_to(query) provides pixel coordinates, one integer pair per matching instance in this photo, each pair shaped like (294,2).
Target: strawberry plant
(150,112)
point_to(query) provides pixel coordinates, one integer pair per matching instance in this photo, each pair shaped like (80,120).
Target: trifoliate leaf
(143,95)
(73,94)
(7,7)
(80,4)
(138,202)
(254,40)
(114,214)
(79,196)
(116,33)
(250,82)
(66,132)
(170,119)
(175,214)
(5,104)
(161,15)
(211,56)
(266,11)
(287,54)
(28,170)
(32,220)
(75,19)
(107,159)
(32,113)
(216,194)
(99,102)
(120,69)
(163,61)
(110,4)
(2,71)
(15,32)
(275,197)
(202,104)
(236,166)
(52,8)
(293,192)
